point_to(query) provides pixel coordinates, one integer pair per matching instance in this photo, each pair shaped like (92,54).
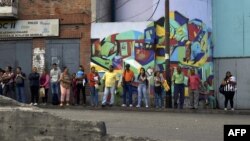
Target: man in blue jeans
(178,80)
(127,79)
(55,75)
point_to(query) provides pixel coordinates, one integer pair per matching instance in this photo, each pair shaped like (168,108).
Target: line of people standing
(62,84)
(12,84)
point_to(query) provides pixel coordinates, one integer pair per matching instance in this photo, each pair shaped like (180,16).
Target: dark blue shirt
(34,79)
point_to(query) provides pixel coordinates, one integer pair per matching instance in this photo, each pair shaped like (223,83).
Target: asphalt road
(165,126)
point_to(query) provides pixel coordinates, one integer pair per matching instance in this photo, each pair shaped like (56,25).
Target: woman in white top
(229,84)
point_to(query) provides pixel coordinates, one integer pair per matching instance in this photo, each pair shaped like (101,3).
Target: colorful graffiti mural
(190,44)
(123,48)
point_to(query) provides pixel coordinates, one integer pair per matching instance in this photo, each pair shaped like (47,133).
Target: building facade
(43,32)
(231,38)
(59,29)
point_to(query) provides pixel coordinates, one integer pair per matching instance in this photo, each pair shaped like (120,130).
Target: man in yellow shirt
(110,85)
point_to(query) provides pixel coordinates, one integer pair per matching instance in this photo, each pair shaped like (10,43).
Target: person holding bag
(158,90)
(44,86)
(229,85)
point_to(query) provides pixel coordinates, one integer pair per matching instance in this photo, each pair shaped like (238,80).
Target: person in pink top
(44,82)
(193,84)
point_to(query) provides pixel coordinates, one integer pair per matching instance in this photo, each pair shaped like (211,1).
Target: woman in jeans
(19,80)
(158,89)
(142,88)
(44,83)
(65,83)
(94,80)
(229,84)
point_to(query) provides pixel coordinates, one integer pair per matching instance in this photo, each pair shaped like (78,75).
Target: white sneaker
(130,105)
(138,106)
(123,105)
(35,104)
(225,109)
(232,109)
(31,104)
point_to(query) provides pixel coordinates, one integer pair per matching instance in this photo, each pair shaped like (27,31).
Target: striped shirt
(230,87)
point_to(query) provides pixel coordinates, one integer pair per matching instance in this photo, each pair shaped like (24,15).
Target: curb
(162,110)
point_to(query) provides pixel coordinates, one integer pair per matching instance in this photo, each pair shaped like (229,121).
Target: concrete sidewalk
(162,110)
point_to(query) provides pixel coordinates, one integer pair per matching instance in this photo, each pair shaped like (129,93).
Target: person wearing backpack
(19,81)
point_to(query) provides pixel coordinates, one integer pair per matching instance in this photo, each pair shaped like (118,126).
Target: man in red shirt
(193,83)
(94,81)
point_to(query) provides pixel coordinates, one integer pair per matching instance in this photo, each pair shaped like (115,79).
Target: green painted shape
(151,24)
(130,35)
(107,39)
(106,47)
(103,62)
(181,53)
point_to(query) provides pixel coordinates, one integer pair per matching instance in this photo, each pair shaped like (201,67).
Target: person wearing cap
(127,79)
(193,84)
(110,79)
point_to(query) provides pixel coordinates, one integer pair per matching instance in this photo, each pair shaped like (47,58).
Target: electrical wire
(140,12)
(154,10)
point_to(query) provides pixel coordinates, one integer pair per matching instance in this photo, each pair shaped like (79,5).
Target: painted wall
(143,43)
(231,22)
(191,38)
(118,44)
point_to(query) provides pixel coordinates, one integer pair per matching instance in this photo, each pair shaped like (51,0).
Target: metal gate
(17,53)
(64,53)
(240,68)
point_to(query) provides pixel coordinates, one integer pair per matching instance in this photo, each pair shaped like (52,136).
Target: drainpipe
(167,56)
(113,10)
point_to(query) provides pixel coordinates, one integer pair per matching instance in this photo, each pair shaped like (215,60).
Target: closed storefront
(63,52)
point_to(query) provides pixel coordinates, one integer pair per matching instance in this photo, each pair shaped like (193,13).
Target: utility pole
(167,57)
